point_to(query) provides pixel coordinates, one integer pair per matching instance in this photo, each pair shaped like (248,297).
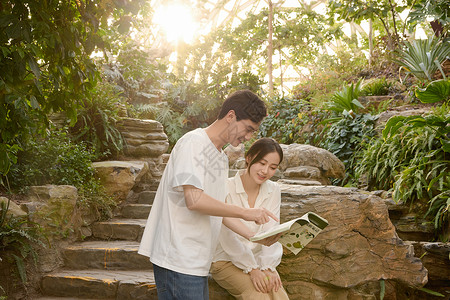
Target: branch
(393,20)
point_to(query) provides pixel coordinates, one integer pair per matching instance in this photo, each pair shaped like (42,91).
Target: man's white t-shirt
(175,237)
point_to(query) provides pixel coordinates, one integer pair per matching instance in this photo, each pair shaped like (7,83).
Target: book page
(299,236)
(274,230)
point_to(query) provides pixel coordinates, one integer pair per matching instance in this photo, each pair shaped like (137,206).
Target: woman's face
(265,168)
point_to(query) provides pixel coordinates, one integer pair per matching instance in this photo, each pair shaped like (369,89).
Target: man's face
(241,131)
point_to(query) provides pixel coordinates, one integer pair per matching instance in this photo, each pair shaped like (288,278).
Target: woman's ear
(248,160)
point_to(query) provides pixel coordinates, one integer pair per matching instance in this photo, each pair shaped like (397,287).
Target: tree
(437,10)
(45,49)
(299,36)
(386,11)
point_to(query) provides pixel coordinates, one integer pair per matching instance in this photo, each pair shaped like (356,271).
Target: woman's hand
(260,280)
(275,280)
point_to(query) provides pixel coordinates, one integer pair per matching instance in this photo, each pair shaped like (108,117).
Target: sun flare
(177,22)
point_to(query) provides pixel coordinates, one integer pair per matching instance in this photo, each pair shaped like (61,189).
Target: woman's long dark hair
(261,148)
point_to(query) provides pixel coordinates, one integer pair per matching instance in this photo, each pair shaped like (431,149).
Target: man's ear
(230,116)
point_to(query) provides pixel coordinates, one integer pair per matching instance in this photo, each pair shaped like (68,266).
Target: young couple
(200,216)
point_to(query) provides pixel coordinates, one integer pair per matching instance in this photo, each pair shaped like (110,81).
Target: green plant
(61,161)
(423,58)
(377,87)
(412,160)
(435,91)
(346,99)
(436,10)
(97,118)
(430,135)
(18,240)
(346,136)
(293,121)
(45,58)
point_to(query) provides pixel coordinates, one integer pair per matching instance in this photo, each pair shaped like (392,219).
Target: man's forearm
(201,202)
(237,226)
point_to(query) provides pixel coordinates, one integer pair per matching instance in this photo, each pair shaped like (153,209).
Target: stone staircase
(108,266)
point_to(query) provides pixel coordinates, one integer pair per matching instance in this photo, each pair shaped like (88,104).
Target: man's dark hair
(246,105)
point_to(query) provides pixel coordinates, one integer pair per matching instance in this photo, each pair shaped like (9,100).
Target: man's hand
(269,241)
(259,215)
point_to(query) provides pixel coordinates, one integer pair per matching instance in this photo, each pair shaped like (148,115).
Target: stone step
(119,229)
(112,255)
(135,211)
(100,284)
(146,197)
(65,298)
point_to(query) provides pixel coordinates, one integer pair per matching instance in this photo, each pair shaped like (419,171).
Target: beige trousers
(239,284)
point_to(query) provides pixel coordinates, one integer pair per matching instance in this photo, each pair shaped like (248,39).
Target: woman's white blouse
(242,253)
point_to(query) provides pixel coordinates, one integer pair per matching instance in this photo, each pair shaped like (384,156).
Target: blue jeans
(171,285)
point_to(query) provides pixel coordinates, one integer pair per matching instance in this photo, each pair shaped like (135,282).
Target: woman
(245,269)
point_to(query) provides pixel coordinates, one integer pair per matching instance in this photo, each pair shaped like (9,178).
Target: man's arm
(238,227)
(199,201)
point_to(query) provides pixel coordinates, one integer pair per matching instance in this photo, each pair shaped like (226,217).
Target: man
(183,226)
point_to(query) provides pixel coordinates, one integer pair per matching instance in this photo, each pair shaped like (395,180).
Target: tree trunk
(370,43)
(270,49)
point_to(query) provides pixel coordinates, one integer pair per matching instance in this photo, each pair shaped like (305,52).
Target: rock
(300,182)
(13,208)
(119,177)
(305,172)
(235,153)
(239,163)
(405,111)
(358,248)
(53,207)
(143,138)
(436,258)
(298,155)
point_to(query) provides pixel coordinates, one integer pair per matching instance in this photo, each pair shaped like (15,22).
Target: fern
(18,239)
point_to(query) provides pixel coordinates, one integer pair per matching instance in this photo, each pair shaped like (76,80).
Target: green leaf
(392,126)
(382,289)
(445,145)
(438,90)
(33,102)
(431,292)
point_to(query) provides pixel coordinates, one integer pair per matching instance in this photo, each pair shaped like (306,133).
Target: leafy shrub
(346,136)
(293,121)
(377,87)
(346,99)
(435,91)
(423,58)
(96,121)
(60,162)
(413,160)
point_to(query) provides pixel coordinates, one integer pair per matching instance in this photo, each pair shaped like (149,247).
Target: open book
(297,233)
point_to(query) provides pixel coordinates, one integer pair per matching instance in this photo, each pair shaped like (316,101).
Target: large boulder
(54,208)
(119,177)
(306,162)
(357,250)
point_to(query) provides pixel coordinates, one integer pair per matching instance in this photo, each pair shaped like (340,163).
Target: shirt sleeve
(240,255)
(188,163)
(270,257)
